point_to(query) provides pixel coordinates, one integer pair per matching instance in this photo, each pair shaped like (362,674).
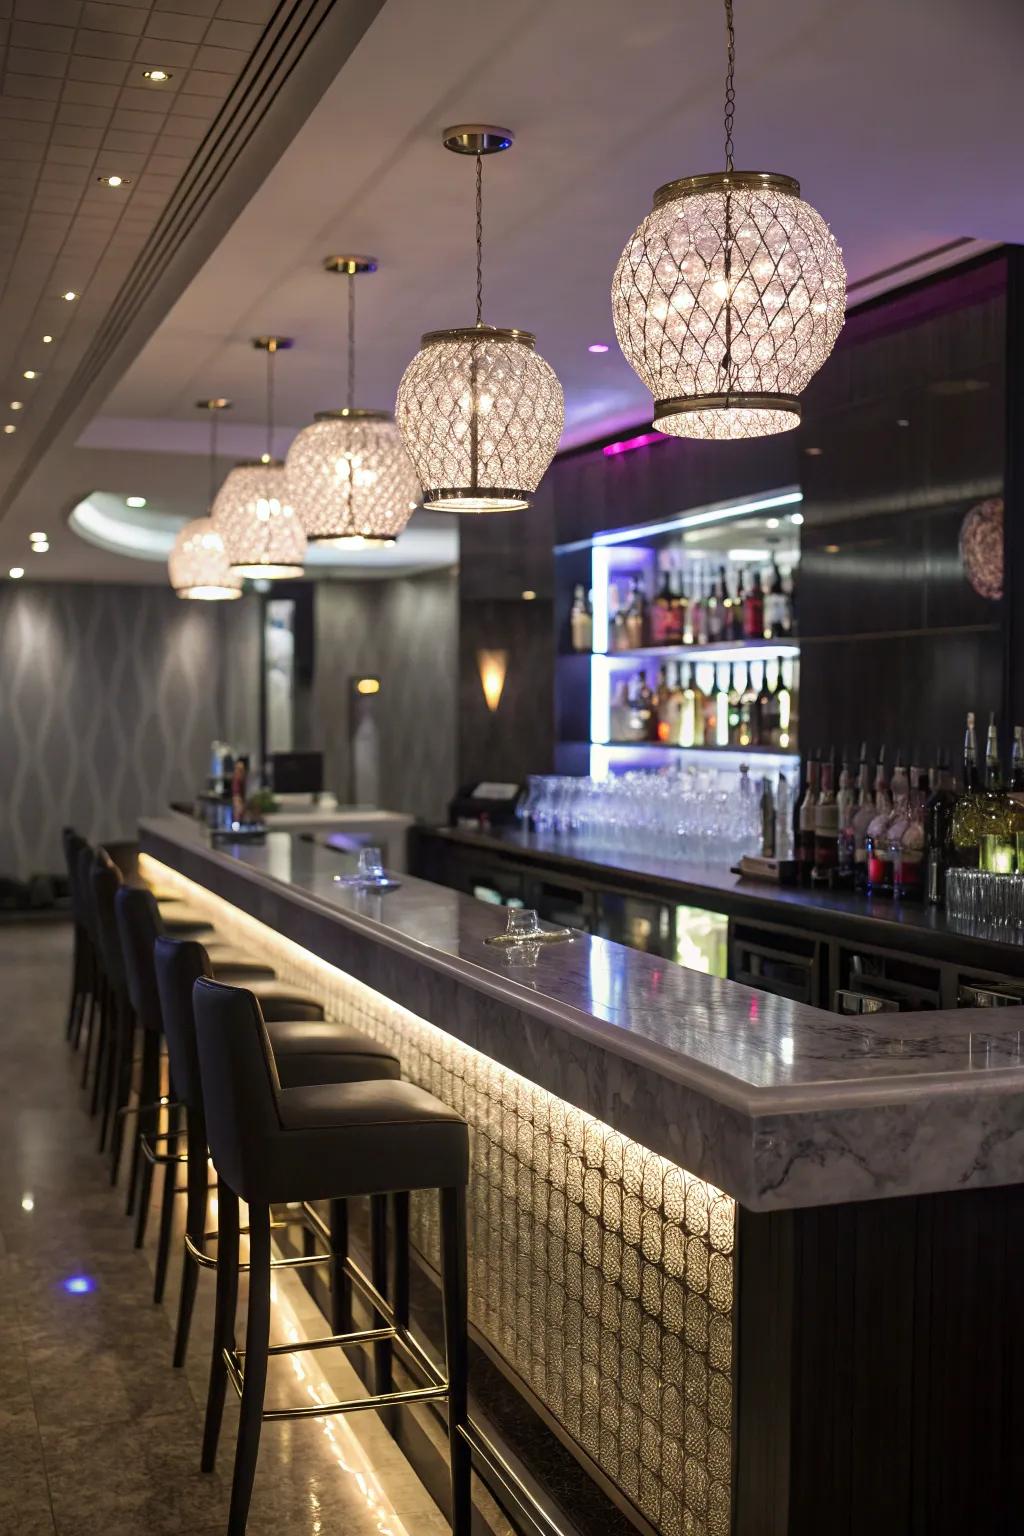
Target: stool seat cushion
(234,964)
(279,1001)
(367,1138)
(310,1052)
(191,926)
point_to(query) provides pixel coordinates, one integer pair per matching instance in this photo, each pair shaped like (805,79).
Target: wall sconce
(368,685)
(492,665)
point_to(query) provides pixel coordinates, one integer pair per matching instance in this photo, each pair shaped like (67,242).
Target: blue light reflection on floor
(79,1285)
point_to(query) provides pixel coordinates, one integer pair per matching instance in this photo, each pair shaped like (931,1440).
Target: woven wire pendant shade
(480,413)
(350,479)
(198,564)
(726,301)
(253,515)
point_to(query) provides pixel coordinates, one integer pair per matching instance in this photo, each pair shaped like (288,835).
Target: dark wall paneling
(517,738)
(404,632)
(903,431)
(109,699)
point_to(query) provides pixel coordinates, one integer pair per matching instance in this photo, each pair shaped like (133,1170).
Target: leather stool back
(178,965)
(139,925)
(240,1083)
(106,882)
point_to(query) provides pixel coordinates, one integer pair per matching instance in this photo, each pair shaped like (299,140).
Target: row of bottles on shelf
(745,704)
(690,607)
(898,837)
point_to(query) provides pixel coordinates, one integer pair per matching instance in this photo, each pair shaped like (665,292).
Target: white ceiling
(902,121)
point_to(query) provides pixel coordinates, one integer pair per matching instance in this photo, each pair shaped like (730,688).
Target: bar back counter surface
(755,1262)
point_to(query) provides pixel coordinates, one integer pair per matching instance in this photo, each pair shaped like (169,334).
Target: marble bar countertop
(777,1103)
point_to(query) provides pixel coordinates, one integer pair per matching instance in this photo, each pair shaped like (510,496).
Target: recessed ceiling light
(16,572)
(528,596)
(37,538)
(40,547)
(70,296)
(16,405)
(598,346)
(114,181)
(796,518)
(814,453)
(9,428)
(772,522)
(30,373)
(135,501)
(47,340)
(156,76)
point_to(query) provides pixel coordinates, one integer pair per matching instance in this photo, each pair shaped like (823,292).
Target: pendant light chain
(730,84)
(271,349)
(351,339)
(479,239)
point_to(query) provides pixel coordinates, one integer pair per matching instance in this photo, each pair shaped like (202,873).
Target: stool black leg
(224,1319)
(102,1026)
(140,1179)
(170,1189)
(456,1346)
(400,1281)
(382,1381)
(195,1226)
(257,1341)
(74,1002)
(341,1285)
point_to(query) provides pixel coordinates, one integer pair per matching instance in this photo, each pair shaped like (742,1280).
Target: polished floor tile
(99,1436)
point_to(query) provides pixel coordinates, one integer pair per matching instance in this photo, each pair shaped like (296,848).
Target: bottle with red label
(876,840)
(753,610)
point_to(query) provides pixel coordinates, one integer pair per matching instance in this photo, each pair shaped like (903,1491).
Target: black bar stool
(271,1145)
(73,845)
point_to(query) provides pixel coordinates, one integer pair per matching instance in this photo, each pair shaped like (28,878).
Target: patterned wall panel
(109,699)
(404,632)
(602,1273)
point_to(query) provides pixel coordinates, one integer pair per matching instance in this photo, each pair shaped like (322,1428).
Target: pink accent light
(627,444)
(598,346)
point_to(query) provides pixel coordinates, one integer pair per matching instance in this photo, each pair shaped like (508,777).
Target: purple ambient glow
(79,1285)
(598,346)
(627,444)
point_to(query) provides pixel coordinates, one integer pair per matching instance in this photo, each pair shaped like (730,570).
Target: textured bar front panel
(601,1273)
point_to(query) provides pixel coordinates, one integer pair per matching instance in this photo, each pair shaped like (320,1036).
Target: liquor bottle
(805,824)
(908,852)
(846,802)
(707,722)
(737,687)
(862,816)
(688,717)
(642,720)
(1015,796)
(787,696)
(938,830)
(767,819)
(783,820)
(697,632)
(966,833)
(636,617)
(687,601)
(995,807)
(748,812)
(617,640)
(749,731)
(736,612)
(677,607)
(876,846)
(766,708)
(670,711)
(826,826)
(722,708)
(661,698)
(789,611)
(581,620)
(753,610)
(774,605)
(661,608)
(714,616)
(728,606)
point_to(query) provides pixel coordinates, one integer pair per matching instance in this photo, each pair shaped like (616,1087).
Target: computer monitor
(297,773)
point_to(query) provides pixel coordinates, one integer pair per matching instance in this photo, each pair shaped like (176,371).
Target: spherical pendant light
(479,410)
(253,515)
(349,477)
(252,511)
(728,298)
(198,564)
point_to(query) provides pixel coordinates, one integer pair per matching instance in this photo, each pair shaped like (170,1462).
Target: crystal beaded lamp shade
(726,301)
(254,516)
(350,479)
(481,414)
(198,564)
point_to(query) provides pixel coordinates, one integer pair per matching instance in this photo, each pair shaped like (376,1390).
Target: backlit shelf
(723,650)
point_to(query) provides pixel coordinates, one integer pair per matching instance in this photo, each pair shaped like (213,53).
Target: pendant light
(349,477)
(198,564)
(478,409)
(252,512)
(729,297)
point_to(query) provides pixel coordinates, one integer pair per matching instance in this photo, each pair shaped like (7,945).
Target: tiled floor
(99,1436)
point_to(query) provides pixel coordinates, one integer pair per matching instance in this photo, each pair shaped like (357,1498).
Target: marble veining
(779,1103)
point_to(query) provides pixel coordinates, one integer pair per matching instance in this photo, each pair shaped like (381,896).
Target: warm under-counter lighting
(493,666)
(16,572)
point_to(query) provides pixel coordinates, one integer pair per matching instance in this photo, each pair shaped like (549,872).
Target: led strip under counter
(602,1274)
